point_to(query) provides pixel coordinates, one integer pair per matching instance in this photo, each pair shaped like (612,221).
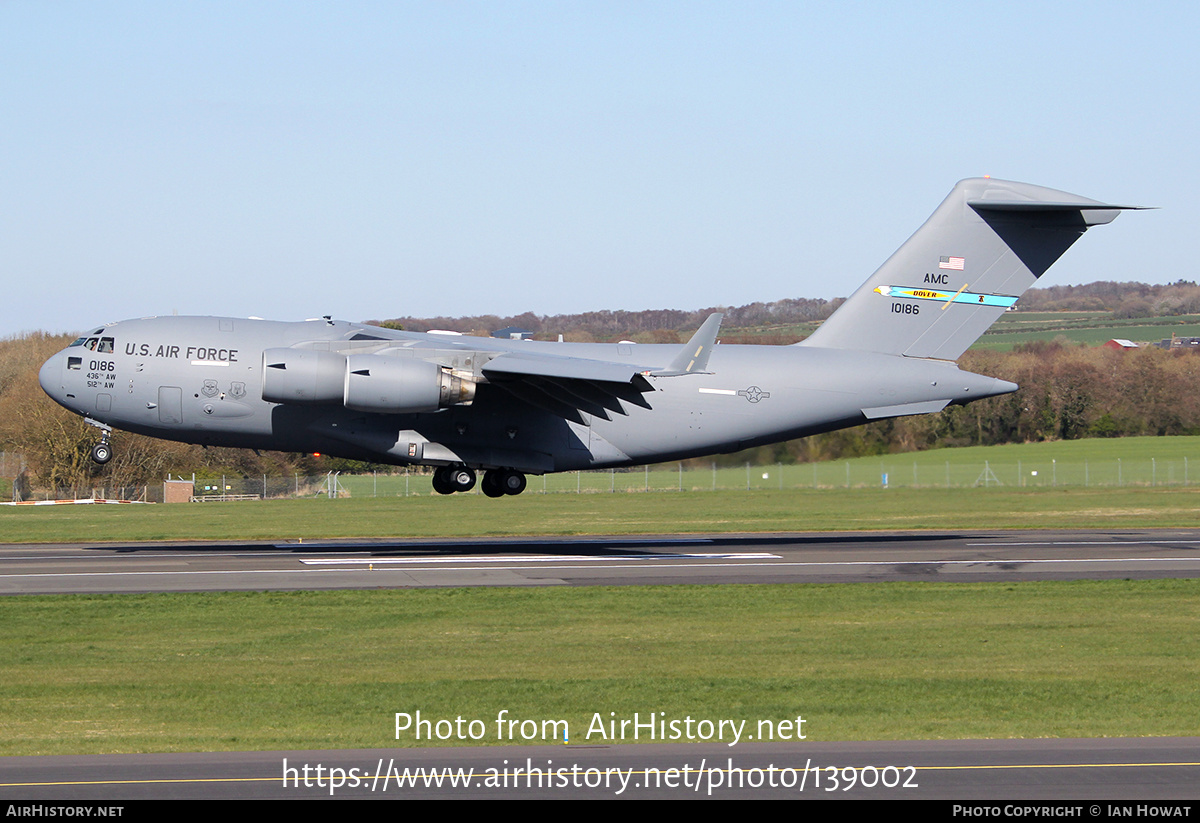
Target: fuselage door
(170,405)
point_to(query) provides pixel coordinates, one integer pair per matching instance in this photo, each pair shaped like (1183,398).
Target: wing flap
(570,386)
(530,364)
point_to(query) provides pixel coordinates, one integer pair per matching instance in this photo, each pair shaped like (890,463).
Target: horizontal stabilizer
(1093,214)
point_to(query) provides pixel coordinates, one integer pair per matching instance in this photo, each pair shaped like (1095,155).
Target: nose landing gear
(102,451)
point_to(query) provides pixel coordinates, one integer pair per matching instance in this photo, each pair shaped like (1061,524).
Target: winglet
(693,357)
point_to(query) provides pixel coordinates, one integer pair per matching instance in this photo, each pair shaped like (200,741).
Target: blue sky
(372,160)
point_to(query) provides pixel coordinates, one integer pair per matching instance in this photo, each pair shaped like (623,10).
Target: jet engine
(363,382)
(303,376)
(395,385)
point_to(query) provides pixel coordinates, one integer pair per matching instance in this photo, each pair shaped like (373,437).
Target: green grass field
(565,514)
(1086,328)
(1131,461)
(1118,483)
(265,671)
(193,672)
(1120,462)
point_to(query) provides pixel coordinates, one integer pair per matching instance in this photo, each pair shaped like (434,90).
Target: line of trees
(1123,300)
(600,326)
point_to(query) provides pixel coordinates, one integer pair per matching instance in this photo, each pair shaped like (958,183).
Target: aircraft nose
(50,376)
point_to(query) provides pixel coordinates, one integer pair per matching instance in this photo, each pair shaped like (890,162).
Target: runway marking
(713,565)
(801,563)
(141,782)
(183,573)
(568,558)
(142,555)
(1121,543)
(641,772)
(581,541)
(110,553)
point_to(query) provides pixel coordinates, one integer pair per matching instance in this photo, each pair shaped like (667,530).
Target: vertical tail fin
(987,243)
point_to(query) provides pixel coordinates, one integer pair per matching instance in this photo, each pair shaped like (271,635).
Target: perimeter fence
(884,472)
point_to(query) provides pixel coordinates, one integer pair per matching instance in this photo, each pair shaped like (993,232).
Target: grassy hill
(1086,328)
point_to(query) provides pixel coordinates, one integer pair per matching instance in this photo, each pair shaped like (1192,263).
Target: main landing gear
(451,479)
(499,482)
(496,482)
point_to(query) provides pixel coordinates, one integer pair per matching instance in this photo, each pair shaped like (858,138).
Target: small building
(178,491)
(1120,344)
(513,333)
(1189,343)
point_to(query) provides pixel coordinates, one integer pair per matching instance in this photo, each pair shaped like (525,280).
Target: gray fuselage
(200,380)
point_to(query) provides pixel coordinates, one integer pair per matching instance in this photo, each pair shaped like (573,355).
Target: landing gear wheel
(441,481)
(101,453)
(490,485)
(512,481)
(463,479)
(451,479)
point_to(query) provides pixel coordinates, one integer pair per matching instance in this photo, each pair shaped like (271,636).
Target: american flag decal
(955,263)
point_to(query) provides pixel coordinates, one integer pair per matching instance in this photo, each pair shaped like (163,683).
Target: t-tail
(987,243)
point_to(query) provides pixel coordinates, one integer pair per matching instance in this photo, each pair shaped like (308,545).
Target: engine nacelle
(363,382)
(303,376)
(401,385)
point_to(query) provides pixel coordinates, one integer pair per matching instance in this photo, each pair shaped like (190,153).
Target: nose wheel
(102,451)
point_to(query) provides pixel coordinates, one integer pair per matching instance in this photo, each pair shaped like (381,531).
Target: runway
(996,772)
(587,561)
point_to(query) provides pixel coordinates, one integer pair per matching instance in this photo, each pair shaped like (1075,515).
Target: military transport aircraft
(510,408)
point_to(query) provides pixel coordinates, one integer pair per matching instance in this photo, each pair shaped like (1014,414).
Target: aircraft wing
(567,386)
(529,364)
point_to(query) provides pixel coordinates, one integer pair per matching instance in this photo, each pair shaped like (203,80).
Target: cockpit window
(106,346)
(91,343)
(75,363)
(78,342)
